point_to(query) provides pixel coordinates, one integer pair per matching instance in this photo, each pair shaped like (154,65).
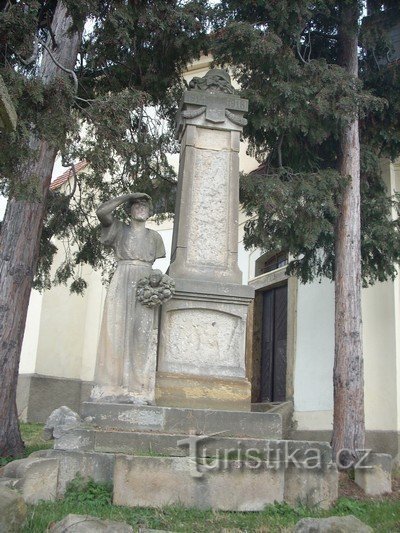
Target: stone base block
(311,487)
(227,485)
(13,511)
(160,481)
(75,523)
(97,466)
(36,477)
(342,524)
(201,353)
(376,476)
(203,392)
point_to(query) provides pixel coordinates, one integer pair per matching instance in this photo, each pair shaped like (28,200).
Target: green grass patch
(32,437)
(382,516)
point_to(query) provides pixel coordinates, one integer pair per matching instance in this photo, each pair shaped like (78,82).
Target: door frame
(262,283)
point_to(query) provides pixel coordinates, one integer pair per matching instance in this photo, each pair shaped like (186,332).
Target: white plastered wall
(31,336)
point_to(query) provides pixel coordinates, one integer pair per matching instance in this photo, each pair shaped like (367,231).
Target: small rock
(59,422)
(333,524)
(75,523)
(375,476)
(12,511)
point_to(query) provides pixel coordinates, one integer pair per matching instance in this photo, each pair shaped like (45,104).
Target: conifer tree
(316,73)
(83,92)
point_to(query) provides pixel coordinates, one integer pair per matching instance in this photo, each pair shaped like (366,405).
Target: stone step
(180,445)
(273,424)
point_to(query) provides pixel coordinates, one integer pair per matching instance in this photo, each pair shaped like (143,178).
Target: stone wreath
(155,289)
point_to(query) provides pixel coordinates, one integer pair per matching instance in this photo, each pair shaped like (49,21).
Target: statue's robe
(123,352)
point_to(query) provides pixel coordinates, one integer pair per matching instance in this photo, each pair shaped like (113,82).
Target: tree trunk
(348,380)
(20,238)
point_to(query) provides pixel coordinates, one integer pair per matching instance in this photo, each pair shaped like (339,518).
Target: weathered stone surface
(333,524)
(8,482)
(74,523)
(184,421)
(98,466)
(377,477)
(311,486)
(215,331)
(76,440)
(60,421)
(132,443)
(38,396)
(202,392)
(159,481)
(12,511)
(126,362)
(37,477)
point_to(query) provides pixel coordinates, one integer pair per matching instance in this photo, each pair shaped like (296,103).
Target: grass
(32,437)
(95,499)
(383,517)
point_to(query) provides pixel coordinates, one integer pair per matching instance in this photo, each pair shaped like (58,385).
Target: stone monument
(126,358)
(197,446)
(201,355)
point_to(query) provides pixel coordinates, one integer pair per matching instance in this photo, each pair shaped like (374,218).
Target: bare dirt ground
(348,489)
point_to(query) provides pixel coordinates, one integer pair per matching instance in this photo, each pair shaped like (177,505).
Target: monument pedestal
(201,347)
(196,447)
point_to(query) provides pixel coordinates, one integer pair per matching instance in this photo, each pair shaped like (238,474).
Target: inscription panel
(205,342)
(208,226)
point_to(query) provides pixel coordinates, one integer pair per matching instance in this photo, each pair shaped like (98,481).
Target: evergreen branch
(299,53)
(325,35)
(34,55)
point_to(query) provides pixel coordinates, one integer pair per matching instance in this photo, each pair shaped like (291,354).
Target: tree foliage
(130,63)
(285,55)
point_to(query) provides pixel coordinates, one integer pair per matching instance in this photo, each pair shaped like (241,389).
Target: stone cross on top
(212,99)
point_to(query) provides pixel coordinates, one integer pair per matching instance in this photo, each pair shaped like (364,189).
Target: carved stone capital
(210,102)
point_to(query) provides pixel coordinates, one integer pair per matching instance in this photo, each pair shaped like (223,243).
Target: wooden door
(273,345)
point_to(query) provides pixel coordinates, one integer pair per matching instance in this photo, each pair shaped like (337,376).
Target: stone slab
(317,487)
(184,421)
(160,481)
(76,439)
(202,392)
(98,466)
(74,523)
(13,511)
(142,443)
(375,474)
(37,477)
(333,524)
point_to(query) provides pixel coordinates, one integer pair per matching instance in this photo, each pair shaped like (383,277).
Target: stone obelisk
(201,356)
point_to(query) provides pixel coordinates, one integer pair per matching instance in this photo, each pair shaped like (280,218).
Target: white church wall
(379,339)
(314,354)
(61,336)
(31,335)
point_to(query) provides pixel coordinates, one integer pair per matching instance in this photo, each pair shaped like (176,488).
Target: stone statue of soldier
(125,365)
